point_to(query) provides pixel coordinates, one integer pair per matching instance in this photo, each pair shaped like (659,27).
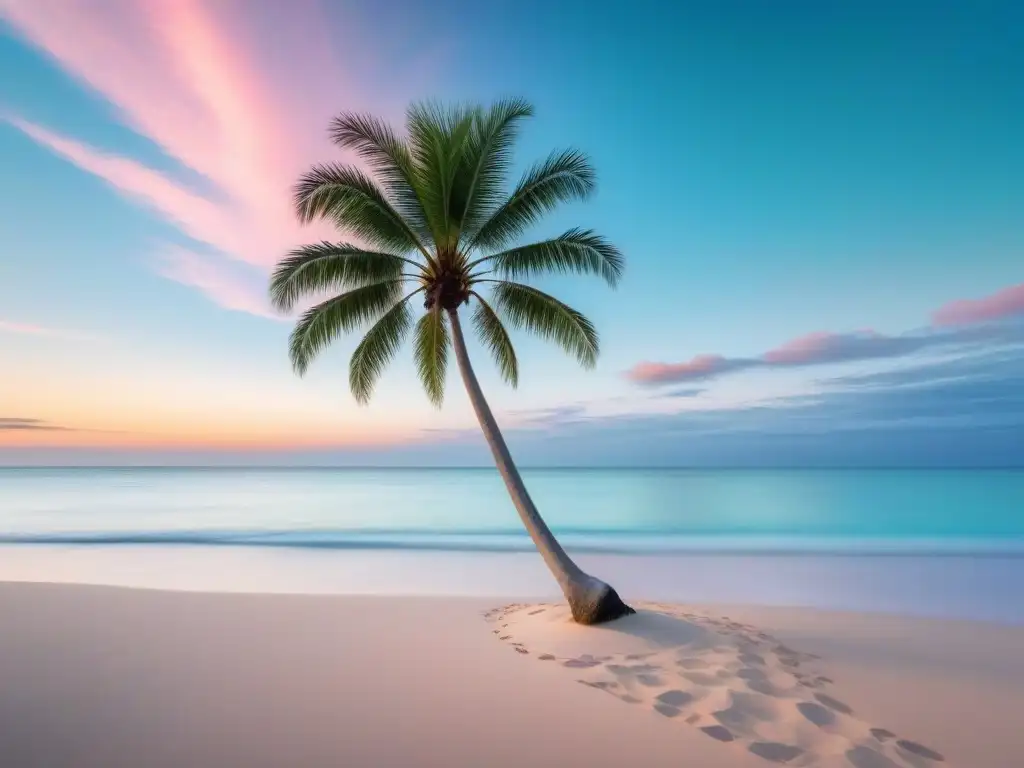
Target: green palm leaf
(354,202)
(320,325)
(431,354)
(486,162)
(578,250)
(494,335)
(389,158)
(526,307)
(377,348)
(437,136)
(563,177)
(319,267)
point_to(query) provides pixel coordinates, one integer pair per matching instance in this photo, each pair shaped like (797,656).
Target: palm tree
(434,220)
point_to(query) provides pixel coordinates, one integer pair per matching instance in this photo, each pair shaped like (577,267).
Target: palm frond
(431,353)
(563,177)
(493,333)
(325,266)
(353,201)
(320,325)
(485,163)
(377,348)
(577,250)
(437,137)
(526,307)
(389,158)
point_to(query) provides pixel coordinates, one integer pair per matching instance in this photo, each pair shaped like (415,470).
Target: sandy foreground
(104,677)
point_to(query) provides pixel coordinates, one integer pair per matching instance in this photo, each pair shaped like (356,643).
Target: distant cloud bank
(994,319)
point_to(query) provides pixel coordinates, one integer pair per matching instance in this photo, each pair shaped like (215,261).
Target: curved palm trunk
(591,600)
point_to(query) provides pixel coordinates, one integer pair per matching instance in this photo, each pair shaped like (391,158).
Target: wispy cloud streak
(28,329)
(234,287)
(238,93)
(198,217)
(15,424)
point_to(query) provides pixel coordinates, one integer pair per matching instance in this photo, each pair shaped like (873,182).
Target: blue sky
(820,204)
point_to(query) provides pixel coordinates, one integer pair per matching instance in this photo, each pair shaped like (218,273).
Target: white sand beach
(107,677)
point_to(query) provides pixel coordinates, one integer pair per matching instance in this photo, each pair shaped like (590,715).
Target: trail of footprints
(748,690)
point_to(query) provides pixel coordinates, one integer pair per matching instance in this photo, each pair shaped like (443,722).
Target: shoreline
(974,589)
(519,542)
(106,676)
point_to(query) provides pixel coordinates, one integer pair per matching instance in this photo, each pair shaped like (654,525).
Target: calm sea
(619,510)
(930,543)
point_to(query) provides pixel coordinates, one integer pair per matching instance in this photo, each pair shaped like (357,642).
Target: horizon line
(596,467)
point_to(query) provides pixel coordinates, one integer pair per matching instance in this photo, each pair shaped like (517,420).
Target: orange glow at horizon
(203,428)
(147,409)
(74,438)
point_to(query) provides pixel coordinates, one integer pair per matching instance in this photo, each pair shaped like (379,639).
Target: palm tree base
(594,602)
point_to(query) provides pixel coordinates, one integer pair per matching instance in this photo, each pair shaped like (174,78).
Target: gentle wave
(489,540)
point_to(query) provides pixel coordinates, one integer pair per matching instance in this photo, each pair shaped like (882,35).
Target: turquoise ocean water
(467,509)
(929,543)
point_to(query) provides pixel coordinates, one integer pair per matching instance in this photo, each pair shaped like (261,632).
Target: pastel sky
(821,204)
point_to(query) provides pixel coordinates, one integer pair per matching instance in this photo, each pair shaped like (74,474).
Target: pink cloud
(195,215)
(1009,302)
(237,92)
(800,349)
(225,284)
(823,347)
(699,367)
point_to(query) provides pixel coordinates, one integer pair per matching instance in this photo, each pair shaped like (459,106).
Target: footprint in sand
(763,687)
(719,732)
(727,685)
(693,664)
(774,751)
(865,757)
(666,710)
(835,704)
(919,749)
(622,669)
(649,680)
(703,678)
(581,663)
(675,698)
(670,703)
(816,713)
